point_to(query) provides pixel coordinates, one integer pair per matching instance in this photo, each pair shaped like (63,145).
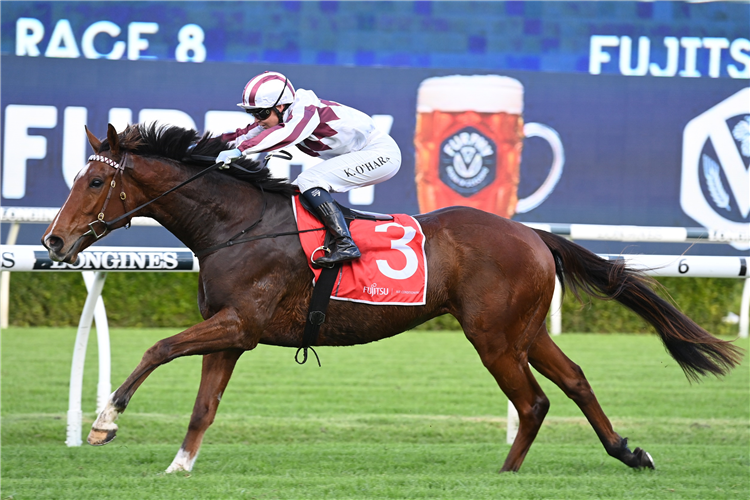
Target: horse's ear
(93,141)
(114,144)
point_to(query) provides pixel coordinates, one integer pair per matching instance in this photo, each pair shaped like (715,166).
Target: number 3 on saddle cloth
(392,269)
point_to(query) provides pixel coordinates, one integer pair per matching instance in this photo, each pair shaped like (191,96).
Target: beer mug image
(468,141)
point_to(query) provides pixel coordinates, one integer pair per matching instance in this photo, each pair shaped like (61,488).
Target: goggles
(260,114)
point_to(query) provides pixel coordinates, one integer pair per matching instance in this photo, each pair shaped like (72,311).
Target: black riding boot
(329,213)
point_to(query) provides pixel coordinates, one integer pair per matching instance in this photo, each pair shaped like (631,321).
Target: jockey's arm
(242,134)
(300,125)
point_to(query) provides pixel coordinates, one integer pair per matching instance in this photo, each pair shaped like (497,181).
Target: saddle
(350,214)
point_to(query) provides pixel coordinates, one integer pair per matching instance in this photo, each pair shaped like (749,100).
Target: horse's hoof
(100,437)
(644,459)
(175,468)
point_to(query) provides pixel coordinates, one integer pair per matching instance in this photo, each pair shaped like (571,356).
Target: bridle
(232,241)
(119,169)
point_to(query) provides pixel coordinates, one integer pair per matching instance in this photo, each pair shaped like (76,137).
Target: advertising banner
(632,146)
(619,150)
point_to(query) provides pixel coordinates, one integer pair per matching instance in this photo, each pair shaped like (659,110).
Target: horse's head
(93,200)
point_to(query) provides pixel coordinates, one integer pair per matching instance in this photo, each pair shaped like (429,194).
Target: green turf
(416,416)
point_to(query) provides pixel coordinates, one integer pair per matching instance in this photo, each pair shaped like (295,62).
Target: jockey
(354,151)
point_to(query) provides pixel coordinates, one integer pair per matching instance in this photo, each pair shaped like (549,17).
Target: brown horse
(496,276)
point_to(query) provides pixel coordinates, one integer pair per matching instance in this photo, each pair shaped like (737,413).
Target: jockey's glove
(228,156)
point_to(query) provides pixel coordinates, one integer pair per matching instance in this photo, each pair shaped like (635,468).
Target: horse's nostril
(54,243)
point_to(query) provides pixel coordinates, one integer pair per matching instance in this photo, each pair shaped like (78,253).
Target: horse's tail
(696,351)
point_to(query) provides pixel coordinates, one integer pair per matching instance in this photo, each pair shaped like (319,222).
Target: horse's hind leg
(506,359)
(518,383)
(217,370)
(550,361)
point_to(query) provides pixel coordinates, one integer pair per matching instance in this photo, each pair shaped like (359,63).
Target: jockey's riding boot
(344,247)
(329,213)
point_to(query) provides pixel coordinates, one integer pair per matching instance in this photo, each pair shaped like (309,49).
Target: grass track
(416,416)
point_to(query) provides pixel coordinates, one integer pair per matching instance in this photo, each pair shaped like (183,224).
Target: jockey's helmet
(267,90)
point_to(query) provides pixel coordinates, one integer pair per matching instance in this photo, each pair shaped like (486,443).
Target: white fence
(19,215)
(650,234)
(95,262)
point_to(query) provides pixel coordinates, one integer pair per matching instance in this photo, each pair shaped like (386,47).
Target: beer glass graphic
(468,141)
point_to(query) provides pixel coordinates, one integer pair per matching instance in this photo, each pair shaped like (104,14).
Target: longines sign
(30,258)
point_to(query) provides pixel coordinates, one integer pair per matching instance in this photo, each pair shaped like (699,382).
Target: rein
(232,241)
(120,169)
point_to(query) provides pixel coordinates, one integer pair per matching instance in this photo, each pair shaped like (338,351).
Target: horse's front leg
(217,370)
(218,333)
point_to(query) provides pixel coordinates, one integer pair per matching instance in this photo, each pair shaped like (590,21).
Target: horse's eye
(96,183)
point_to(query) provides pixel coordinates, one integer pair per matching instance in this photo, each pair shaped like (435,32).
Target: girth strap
(316,315)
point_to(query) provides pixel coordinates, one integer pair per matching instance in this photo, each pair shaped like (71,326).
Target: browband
(104,159)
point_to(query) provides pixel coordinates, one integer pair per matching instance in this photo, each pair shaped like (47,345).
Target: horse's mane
(174,143)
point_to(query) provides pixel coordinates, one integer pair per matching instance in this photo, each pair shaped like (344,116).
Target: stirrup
(326,251)
(339,257)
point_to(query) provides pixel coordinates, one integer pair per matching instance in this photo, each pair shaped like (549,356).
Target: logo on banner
(120,261)
(467,161)
(374,290)
(715,187)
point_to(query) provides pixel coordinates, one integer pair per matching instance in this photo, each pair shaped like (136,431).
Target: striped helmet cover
(263,90)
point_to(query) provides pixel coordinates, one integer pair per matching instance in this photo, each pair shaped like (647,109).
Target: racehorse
(495,275)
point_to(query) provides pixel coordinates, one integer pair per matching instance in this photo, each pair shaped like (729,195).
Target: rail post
(745,310)
(5,279)
(95,284)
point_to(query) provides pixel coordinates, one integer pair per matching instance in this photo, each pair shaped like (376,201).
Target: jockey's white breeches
(378,161)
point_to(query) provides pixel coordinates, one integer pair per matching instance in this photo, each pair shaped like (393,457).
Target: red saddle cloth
(392,269)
